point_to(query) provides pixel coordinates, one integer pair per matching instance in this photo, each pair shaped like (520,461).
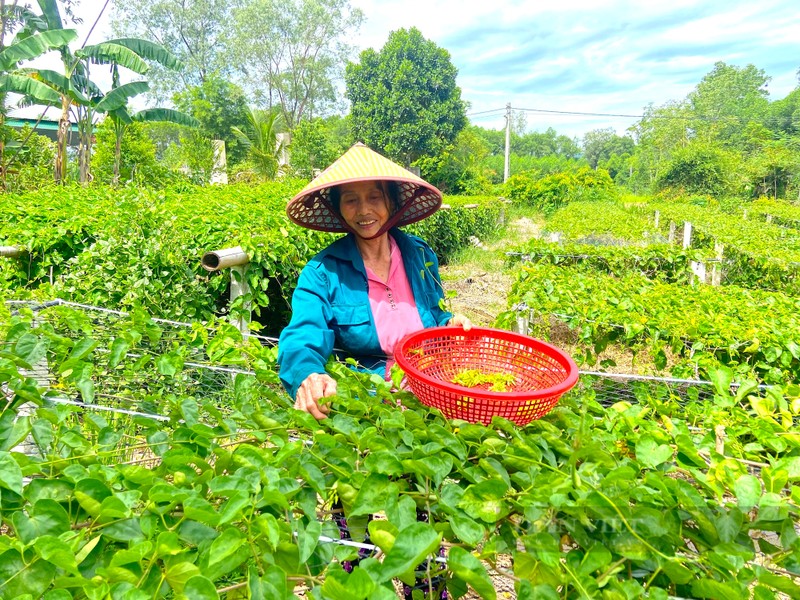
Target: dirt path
(479,277)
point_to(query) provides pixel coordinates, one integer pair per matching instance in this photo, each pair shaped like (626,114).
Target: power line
(483,112)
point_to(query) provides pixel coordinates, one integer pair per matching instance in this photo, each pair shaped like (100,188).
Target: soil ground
(479,277)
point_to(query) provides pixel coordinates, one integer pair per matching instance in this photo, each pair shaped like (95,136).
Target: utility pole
(506,169)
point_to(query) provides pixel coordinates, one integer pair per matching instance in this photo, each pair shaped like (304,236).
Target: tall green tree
(599,145)
(404,99)
(727,100)
(291,53)
(197,32)
(219,106)
(317,142)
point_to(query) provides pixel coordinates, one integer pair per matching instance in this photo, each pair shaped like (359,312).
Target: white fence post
(671,232)
(716,270)
(687,235)
(658,218)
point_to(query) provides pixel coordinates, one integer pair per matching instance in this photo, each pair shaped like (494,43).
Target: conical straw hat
(312,206)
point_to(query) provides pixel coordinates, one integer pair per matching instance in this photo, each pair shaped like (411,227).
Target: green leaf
(21,84)
(107,53)
(10,473)
(307,539)
(630,547)
(650,452)
(90,494)
(18,576)
(595,559)
(468,531)
(31,348)
(709,588)
(200,588)
(57,552)
(411,547)
(485,500)
(82,349)
(119,349)
(748,492)
(179,573)
(226,553)
(383,534)
(149,50)
(34,46)
(48,518)
(165,115)
(169,364)
(467,567)
(384,463)
(127,530)
(374,495)
(722,377)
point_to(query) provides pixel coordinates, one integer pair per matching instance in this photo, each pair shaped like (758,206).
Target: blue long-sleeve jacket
(330,308)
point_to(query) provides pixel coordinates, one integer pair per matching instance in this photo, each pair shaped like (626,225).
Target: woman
(367,290)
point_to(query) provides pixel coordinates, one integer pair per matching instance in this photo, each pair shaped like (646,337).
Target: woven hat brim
(312,207)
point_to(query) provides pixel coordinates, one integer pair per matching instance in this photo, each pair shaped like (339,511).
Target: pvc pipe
(11,251)
(221,259)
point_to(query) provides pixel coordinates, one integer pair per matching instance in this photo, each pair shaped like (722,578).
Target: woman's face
(364,206)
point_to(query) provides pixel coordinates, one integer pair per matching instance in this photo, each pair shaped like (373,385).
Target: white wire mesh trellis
(206,377)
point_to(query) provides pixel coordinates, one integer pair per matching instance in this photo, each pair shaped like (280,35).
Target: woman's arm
(306,343)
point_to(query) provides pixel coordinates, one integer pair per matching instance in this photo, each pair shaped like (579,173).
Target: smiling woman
(367,290)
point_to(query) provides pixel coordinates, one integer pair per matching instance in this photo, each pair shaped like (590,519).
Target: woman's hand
(315,387)
(460,320)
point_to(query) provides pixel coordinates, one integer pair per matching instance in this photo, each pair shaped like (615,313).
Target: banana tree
(115,106)
(29,44)
(76,90)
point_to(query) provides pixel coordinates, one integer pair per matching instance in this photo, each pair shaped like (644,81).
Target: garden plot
(625,489)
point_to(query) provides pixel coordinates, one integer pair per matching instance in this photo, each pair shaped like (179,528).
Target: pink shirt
(393,306)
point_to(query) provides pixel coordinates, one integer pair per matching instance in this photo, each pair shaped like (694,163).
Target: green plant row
(751,331)
(649,498)
(550,192)
(121,248)
(450,230)
(664,262)
(756,254)
(782,213)
(603,223)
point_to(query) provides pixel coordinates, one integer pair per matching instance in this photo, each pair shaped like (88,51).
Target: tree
(661,132)
(291,52)
(404,99)
(702,168)
(32,41)
(262,142)
(197,32)
(73,89)
(726,100)
(218,105)
(459,168)
(599,145)
(316,143)
(120,157)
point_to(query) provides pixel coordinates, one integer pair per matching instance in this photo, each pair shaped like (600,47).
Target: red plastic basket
(431,358)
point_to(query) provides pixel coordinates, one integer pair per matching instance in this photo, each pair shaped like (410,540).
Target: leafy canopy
(404,99)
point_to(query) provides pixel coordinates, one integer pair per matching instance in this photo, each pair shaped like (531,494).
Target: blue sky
(599,56)
(586,56)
